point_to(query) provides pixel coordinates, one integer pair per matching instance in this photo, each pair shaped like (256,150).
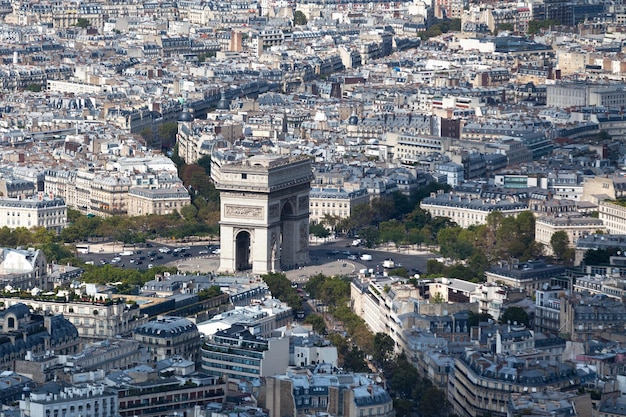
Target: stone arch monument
(264,217)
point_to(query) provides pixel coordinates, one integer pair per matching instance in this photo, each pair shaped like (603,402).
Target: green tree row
(280,287)
(440,27)
(535,26)
(126,280)
(201,218)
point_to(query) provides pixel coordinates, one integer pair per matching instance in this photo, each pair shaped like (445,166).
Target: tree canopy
(299,18)
(280,287)
(515,315)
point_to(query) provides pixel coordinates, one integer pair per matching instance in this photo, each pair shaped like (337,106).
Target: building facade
(38,334)
(238,354)
(349,395)
(83,399)
(575,226)
(93,321)
(529,276)
(469,211)
(49,212)
(145,201)
(24,269)
(167,336)
(336,202)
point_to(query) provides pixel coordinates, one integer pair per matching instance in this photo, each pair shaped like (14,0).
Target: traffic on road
(378,259)
(149,255)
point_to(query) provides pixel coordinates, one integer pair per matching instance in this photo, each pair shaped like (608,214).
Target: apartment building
(93,321)
(529,276)
(409,148)
(469,211)
(574,225)
(238,354)
(381,309)
(24,269)
(490,298)
(301,394)
(24,332)
(548,310)
(585,317)
(80,399)
(261,318)
(484,383)
(41,211)
(168,336)
(141,392)
(612,213)
(121,191)
(144,201)
(335,201)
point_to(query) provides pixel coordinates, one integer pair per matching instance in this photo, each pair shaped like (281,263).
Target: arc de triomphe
(264,217)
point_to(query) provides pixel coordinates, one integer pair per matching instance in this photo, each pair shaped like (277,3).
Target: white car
(217,251)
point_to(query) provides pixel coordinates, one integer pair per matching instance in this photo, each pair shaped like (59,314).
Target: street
(333,258)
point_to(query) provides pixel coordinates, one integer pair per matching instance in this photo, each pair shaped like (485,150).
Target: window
(244,176)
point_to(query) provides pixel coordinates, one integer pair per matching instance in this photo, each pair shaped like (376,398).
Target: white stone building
(40,211)
(85,400)
(575,226)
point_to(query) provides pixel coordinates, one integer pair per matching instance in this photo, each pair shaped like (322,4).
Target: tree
(534,26)
(317,322)
(504,27)
(280,287)
(559,243)
(599,256)
(370,236)
(168,132)
(82,23)
(383,348)
(433,403)
(404,377)
(147,134)
(437,299)
(318,230)
(354,360)
(604,136)
(35,88)
(475,319)
(392,231)
(515,314)
(299,18)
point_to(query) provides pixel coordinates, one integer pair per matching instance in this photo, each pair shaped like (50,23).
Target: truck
(82,249)
(366,257)
(389,263)
(126,253)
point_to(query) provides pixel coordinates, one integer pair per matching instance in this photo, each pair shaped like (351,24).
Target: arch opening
(242,251)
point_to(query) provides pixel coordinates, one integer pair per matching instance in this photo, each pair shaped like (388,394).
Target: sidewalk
(302,274)
(336,267)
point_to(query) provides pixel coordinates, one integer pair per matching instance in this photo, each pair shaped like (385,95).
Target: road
(413,260)
(144,256)
(328,258)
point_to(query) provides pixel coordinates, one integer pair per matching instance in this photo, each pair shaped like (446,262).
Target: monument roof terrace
(263,173)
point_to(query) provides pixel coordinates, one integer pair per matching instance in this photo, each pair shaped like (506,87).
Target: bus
(82,249)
